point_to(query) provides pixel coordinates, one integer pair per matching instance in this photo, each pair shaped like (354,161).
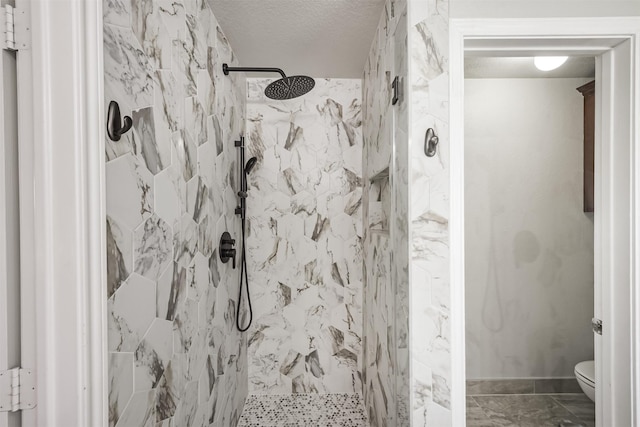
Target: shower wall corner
(386,374)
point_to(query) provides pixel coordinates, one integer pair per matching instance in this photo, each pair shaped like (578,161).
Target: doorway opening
(529,246)
(616,139)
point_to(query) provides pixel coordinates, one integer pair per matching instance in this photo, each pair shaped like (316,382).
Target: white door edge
(570,34)
(28,232)
(9,225)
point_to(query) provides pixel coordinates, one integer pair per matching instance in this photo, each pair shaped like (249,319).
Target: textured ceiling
(504,67)
(319,38)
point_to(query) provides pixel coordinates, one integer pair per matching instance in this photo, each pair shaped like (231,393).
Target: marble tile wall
(401,231)
(385,202)
(304,239)
(430,287)
(175,357)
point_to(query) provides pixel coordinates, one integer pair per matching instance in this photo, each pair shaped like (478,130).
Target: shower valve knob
(229,254)
(226,249)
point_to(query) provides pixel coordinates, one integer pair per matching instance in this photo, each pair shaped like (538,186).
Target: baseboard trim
(523,386)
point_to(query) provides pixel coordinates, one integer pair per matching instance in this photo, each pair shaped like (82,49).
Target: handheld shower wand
(250,164)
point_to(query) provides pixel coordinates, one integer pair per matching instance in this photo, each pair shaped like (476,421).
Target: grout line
(474,401)
(567,409)
(571,412)
(492,424)
(524,394)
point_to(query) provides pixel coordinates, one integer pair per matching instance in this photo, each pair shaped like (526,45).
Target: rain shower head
(290,87)
(284,88)
(250,164)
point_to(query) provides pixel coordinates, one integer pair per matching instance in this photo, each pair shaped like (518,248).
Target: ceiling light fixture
(548,63)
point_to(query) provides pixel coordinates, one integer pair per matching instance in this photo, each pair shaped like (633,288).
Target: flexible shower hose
(244,279)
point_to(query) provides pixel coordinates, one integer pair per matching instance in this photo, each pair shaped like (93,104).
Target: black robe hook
(115,127)
(430,143)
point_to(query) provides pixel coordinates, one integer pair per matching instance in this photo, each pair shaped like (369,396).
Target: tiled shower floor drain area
(304,410)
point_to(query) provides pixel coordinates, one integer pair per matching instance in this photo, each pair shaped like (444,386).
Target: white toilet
(586,376)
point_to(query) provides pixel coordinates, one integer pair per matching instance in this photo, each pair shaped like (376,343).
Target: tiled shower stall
(345,220)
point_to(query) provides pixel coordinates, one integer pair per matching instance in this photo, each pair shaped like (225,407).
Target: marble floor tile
(579,405)
(525,411)
(475,415)
(304,409)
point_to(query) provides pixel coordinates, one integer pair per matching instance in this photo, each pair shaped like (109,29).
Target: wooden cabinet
(588,92)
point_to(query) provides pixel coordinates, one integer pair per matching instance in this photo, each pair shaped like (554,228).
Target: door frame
(62,208)
(548,36)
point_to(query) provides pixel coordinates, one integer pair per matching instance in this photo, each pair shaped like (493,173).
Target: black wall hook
(430,143)
(115,127)
(397,90)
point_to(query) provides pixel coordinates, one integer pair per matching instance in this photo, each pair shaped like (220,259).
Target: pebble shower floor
(304,410)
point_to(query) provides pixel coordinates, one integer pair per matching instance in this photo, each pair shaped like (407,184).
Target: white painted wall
(529,246)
